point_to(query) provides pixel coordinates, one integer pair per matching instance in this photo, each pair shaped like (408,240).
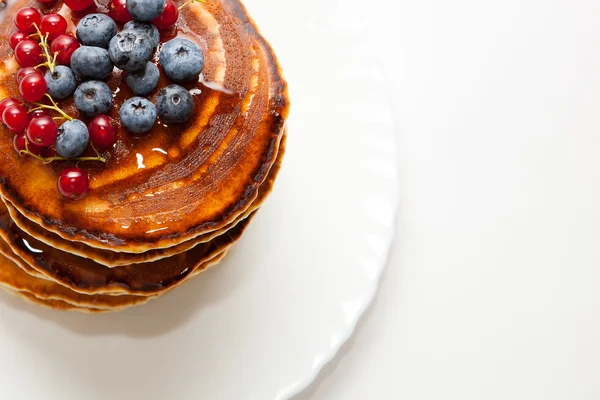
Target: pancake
(177,182)
(114,259)
(13,278)
(85,276)
(54,304)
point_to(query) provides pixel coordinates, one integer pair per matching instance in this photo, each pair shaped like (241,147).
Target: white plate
(262,324)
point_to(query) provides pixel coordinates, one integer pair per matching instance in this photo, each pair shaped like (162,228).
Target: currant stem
(189,2)
(29,153)
(50,61)
(48,160)
(96,151)
(100,159)
(54,107)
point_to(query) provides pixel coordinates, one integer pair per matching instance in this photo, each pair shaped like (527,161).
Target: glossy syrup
(130,148)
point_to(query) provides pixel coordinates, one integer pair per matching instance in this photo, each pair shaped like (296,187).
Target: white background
(493,285)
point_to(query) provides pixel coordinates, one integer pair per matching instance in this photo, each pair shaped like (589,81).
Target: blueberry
(61,84)
(143,81)
(147,28)
(175,104)
(96,30)
(91,62)
(130,50)
(93,98)
(138,115)
(72,140)
(181,59)
(145,10)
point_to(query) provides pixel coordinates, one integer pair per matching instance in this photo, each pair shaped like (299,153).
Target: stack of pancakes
(165,206)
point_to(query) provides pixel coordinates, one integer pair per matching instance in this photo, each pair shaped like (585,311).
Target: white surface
(262,324)
(493,289)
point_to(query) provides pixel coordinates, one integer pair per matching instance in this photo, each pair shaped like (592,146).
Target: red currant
(64,45)
(37,113)
(48,152)
(54,25)
(46,1)
(42,131)
(102,132)
(19,145)
(9,101)
(15,118)
(28,53)
(23,72)
(169,16)
(15,38)
(78,5)
(73,183)
(26,18)
(33,87)
(118,11)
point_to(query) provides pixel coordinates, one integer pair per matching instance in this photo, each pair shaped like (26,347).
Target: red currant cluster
(35,133)
(35,129)
(42,43)
(30,44)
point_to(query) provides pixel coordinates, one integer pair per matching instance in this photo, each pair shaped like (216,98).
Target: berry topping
(53,25)
(37,113)
(72,140)
(61,84)
(64,46)
(175,104)
(15,38)
(169,16)
(130,50)
(73,183)
(93,98)
(51,61)
(96,30)
(20,145)
(143,81)
(102,132)
(28,53)
(42,131)
(181,59)
(9,101)
(33,87)
(138,115)
(27,18)
(15,118)
(145,10)
(23,72)
(78,5)
(91,62)
(118,11)
(147,28)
